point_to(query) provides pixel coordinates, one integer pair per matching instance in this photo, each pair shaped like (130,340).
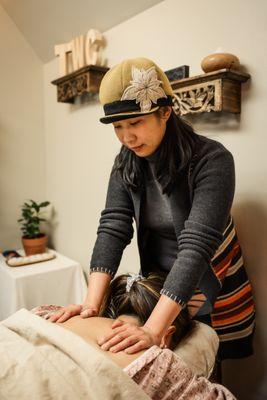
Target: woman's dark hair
(140,302)
(174,155)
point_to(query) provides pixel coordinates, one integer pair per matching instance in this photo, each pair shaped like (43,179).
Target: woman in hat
(179,187)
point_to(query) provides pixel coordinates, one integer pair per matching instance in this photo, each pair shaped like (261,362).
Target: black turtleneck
(161,245)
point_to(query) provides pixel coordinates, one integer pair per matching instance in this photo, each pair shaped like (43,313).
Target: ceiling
(45,23)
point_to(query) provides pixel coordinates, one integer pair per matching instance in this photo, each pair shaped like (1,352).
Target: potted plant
(34,241)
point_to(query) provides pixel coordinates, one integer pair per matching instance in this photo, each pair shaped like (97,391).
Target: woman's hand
(71,310)
(89,311)
(128,337)
(66,312)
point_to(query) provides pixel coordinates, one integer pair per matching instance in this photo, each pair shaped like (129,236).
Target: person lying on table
(158,371)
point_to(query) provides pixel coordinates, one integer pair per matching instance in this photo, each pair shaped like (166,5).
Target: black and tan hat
(133,87)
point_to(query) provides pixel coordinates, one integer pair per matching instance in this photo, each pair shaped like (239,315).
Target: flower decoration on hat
(145,88)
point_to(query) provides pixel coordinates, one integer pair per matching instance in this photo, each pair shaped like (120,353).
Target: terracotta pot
(34,246)
(216,61)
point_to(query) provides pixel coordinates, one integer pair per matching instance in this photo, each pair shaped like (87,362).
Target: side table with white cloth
(58,281)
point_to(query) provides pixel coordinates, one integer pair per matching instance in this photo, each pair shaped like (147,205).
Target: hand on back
(71,310)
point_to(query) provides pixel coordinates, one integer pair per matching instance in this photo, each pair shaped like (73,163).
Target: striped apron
(233,314)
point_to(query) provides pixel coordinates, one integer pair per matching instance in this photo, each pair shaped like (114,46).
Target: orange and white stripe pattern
(233,315)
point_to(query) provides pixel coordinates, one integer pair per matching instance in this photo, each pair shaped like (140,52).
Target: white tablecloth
(59,281)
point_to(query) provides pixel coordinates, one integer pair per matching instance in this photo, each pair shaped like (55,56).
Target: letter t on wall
(61,51)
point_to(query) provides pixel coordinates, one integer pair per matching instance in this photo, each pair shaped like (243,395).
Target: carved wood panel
(214,91)
(203,97)
(85,80)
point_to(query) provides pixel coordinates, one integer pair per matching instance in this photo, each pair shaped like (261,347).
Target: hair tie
(131,279)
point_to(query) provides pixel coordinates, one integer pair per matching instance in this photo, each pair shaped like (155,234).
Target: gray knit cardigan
(200,205)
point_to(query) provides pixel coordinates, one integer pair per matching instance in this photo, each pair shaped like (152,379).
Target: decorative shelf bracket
(214,91)
(84,80)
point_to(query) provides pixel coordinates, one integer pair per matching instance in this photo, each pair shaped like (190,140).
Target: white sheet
(199,349)
(43,361)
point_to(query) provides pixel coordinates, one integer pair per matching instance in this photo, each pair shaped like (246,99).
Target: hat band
(121,106)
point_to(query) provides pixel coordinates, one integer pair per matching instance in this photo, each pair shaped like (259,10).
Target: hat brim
(118,117)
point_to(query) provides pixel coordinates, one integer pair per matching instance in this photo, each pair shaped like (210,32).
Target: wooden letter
(61,51)
(93,47)
(77,46)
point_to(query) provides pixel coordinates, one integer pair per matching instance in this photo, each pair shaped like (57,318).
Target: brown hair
(140,301)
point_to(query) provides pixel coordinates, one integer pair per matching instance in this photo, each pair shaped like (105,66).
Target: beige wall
(22,161)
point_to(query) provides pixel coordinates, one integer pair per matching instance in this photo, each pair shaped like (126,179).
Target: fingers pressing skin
(111,342)
(64,317)
(66,313)
(56,316)
(130,338)
(60,317)
(72,310)
(114,332)
(124,344)
(137,347)
(118,322)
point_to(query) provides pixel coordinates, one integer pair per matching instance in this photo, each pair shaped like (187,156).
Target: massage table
(41,360)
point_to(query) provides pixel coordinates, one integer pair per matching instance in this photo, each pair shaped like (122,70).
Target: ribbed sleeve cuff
(173,297)
(103,269)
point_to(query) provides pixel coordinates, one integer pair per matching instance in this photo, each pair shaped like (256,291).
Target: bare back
(92,329)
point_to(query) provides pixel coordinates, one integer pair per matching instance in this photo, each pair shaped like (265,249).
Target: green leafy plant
(31,219)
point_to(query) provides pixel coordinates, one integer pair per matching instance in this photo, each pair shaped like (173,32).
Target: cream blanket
(40,360)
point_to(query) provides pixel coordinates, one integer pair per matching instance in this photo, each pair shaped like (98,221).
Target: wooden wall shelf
(84,80)
(214,91)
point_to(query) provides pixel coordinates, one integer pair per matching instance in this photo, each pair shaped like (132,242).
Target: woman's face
(143,134)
